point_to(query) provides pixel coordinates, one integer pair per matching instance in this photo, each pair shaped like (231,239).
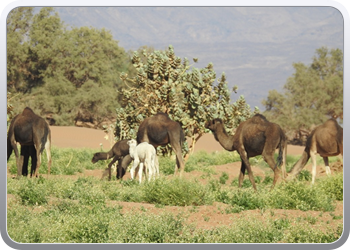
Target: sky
(254,46)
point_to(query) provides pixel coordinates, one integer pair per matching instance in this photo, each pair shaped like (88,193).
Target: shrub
(299,195)
(304,175)
(176,192)
(333,186)
(32,192)
(86,192)
(223,178)
(146,228)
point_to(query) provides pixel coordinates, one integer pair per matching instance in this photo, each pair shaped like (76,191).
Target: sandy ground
(76,137)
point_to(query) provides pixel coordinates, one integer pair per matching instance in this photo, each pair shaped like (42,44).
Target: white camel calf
(143,153)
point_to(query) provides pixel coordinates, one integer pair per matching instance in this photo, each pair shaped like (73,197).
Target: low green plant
(223,178)
(304,175)
(300,195)
(65,161)
(176,192)
(202,159)
(333,185)
(32,192)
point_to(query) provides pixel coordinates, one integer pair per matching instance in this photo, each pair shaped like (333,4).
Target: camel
(325,140)
(143,154)
(119,150)
(160,130)
(255,136)
(29,129)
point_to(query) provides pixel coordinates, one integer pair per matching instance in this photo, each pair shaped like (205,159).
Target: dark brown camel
(325,140)
(160,130)
(29,129)
(255,136)
(119,151)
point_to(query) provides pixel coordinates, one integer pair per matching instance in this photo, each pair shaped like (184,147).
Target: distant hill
(254,46)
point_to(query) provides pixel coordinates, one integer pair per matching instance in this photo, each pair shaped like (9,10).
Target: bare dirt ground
(203,216)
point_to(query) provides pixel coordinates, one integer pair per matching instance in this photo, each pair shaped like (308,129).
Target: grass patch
(61,209)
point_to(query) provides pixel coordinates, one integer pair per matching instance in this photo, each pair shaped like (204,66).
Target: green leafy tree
(311,96)
(17,27)
(46,29)
(71,74)
(190,96)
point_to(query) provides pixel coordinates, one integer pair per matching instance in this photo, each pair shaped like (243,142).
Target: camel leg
(48,155)
(251,176)
(132,170)
(241,174)
(25,152)
(123,165)
(32,153)
(140,172)
(271,162)
(313,158)
(156,164)
(19,158)
(284,163)
(179,159)
(150,167)
(19,161)
(38,163)
(245,160)
(326,163)
(115,158)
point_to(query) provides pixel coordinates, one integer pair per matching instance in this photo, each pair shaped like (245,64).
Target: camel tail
(182,138)
(282,148)
(280,153)
(9,148)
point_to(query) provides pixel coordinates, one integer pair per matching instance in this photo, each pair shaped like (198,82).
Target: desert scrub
(87,191)
(147,228)
(303,233)
(32,191)
(242,199)
(223,178)
(177,192)
(129,190)
(333,185)
(66,221)
(300,195)
(292,195)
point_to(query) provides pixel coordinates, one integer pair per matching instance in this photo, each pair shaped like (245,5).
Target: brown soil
(203,216)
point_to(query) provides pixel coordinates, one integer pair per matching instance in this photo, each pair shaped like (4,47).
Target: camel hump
(27,112)
(332,127)
(162,117)
(259,119)
(332,123)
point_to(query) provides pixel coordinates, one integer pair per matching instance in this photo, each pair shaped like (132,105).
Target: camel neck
(132,151)
(225,140)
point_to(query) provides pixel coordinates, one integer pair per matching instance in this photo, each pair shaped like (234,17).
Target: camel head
(132,143)
(212,124)
(95,158)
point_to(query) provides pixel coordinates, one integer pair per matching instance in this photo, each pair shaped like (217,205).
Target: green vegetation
(69,73)
(82,75)
(83,209)
(311,96)
(190,96)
